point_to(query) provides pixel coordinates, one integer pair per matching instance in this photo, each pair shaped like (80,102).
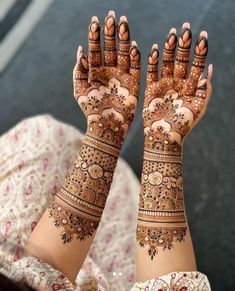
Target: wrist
(102,144)
(108,131)
(160,145)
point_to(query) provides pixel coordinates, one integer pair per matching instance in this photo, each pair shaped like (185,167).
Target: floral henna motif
(107,94)
(159,237)
(172,107)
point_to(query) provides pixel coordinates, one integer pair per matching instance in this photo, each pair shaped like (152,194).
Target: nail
(210,71)
(186,25)
(123,18)
(111,13)
(94,19)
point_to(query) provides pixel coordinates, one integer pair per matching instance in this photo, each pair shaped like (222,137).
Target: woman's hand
(106,85)
(175,102)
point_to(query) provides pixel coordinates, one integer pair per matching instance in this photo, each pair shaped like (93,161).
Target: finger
(183,52)
(152,69)
(110,54)
(204,88)
(167,69)
(80,74)
(202,85)
(199,60)
(123,60)
(94,49)
(135,67)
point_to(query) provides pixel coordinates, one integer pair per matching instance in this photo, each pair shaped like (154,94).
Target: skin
(173,105)
(106,87)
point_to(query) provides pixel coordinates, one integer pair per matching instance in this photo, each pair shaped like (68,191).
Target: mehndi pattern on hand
(106,87)
(173,105)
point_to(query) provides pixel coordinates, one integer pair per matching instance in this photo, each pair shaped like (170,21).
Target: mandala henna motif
(172,107)
(107,95)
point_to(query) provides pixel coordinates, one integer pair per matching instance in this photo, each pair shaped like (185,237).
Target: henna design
(172,107)
(79,204)
(159,237)
(169,54)
(108,99)
(199,60)
(110,55)
(183,52)
(94,48)
(152,70)
(124,44)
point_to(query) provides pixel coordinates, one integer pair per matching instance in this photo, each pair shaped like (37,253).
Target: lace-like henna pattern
(79,204)
(159,237)
(172,107)
(107,94)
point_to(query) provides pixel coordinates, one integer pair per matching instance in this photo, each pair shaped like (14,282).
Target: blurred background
(38,43)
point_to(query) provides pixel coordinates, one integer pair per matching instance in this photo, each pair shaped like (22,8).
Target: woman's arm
(173,105)
(107,92)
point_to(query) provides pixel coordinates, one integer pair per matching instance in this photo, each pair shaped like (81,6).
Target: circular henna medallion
(155,178)
(95,171)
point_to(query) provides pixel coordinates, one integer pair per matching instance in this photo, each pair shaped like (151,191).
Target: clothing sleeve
(176,281)
(36,273)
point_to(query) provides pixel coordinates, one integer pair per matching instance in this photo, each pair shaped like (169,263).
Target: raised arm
(173,105)
(106,86)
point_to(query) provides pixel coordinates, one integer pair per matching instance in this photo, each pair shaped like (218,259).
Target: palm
(107,92)
(174,103)
(171,108)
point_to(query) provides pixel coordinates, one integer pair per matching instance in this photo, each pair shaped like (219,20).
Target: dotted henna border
(89,206)
(169,157)
(107,148)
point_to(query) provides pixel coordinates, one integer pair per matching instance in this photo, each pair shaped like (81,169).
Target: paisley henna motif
(107,95)
(172,107)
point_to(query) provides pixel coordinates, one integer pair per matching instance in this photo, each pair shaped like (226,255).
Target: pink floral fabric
(35,156)
(177,281)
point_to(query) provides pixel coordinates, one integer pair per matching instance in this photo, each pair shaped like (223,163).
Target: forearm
(164,242)
(64,234)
